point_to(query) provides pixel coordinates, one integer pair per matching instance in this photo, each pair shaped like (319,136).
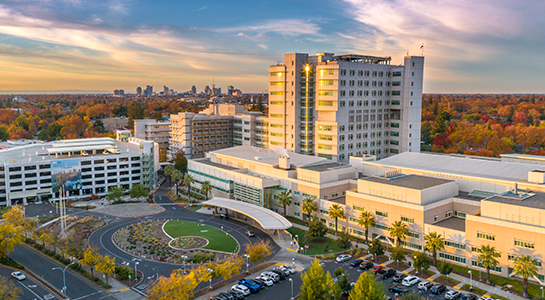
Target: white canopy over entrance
(267,218)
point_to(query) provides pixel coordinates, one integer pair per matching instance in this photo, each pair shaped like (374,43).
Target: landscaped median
(217,240)
(317,246)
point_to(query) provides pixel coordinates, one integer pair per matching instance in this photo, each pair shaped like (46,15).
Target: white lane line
(30,290)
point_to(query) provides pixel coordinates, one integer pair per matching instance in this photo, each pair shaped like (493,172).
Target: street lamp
(184,257)
(414,260)
(63,290)
(291,281)
(136,270)
(470,277)
(398,264)
(210,281)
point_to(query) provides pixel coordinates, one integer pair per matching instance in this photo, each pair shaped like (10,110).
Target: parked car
(18,275)
(268,281)
(237,295)
(281,274)
(217,297)
(227,296)
(283,270)
(438,288)
(342,258)
(366,265)
(399,289)
(273,276)
(241,288)
(250,233)
(292,269)
(410,280)
(259,282)
(223,216)
(452,294)
(254,287)
(399,276)
(389,273)
(377,269)
(356,262)
(469,297)
(425,285)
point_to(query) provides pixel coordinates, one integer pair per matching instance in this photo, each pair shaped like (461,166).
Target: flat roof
(325,166)
(340,200)
(217,165)
(268,156)
(452,223)
(267,218)
(416,182)
(537,200)
(468,166)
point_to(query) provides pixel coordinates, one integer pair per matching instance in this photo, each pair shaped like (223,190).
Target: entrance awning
(267,218)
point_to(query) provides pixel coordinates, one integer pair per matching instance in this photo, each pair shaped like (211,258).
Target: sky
(485,46)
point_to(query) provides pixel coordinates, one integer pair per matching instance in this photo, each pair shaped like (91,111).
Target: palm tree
(176,176)
(284,199)
(434,242)
(487,259)
(366,220)
(335,212)
(188,181)
(168,172)
(206,187)
(399,231)
(525,266)
(309,206)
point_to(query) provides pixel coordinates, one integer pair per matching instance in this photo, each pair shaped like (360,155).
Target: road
(78,288)
(31,289)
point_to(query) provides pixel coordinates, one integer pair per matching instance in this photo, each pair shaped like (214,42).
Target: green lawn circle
(218,240)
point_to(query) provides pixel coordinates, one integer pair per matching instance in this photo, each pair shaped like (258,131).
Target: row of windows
(486,236)
(455,245)
(456,258)
(407,219)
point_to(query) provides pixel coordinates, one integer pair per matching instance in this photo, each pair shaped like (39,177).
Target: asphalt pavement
(31,289)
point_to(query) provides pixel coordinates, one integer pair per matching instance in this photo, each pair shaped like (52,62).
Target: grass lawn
(193,207)
(318,247)
(217,240)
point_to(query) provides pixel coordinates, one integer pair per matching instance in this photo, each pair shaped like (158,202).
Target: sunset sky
(485,46)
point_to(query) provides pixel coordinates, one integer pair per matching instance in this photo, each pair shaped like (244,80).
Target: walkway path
(490,290)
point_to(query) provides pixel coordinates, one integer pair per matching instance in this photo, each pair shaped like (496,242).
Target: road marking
(486,296)
(123,289)
(456,287)
(430,279)
(405,272)
(30,290)
(289,249)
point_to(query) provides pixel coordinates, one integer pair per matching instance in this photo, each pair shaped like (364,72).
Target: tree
(258,252)
(525,267)
(228,268)
(317,285)
(106,266)
(421,261)
(344,240)
(180,162)
(90,258)
(168,172)
(138,190)
(9,238)
(8,291)
(434,242)
(177,176)
(487,259)
(376,248)
(336,212)
(188,181)
(367,288)
(309,206)
(206,187)
(399,231)
(398,254)
(179,286)
(115,193)
(366,220)
(444,268)
(14,216)
(284,199)
(316,229)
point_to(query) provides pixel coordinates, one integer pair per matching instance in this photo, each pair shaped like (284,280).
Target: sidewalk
(490,290)
(122,292)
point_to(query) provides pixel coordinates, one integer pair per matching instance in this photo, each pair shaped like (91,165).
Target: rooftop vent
(391,174)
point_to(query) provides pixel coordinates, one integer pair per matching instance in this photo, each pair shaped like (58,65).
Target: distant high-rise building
(166,90)
(207,91)
(119,92)
(345,105)
(216,91)
(149,90)
(194,90)
(230,90)
(139,91)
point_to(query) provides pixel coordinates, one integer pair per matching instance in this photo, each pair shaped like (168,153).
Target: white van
(410,280)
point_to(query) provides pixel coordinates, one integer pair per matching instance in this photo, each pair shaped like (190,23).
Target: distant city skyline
(99,46)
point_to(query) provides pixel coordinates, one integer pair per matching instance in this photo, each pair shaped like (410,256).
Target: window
(356,207)
(325,103)
(447,256)
(486,236)
(325,93)
(448,214)
(324,147)
(455,245)
(407,219)
(396,74)
(475,264)
(325,128)
(434,218)
(275,74)
(325,137)
(276,103)
(277,83)
(524,244)
(383,227)
(460,214)
(394,93)
(277,93)
(396,83)
(327,72)
(381,213)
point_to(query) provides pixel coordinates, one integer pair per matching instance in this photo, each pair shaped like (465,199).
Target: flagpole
(422,48)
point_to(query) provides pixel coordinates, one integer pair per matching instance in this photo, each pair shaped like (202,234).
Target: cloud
(283,27)
(202,8)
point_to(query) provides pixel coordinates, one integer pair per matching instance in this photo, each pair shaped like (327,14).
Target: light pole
(398,264)
(414,260)
(541,287)
(210,281)
(470,277)
(63,290)
(184,257)
(291,281)
(136,270)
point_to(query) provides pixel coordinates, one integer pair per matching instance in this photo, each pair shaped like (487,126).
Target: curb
(33,276)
